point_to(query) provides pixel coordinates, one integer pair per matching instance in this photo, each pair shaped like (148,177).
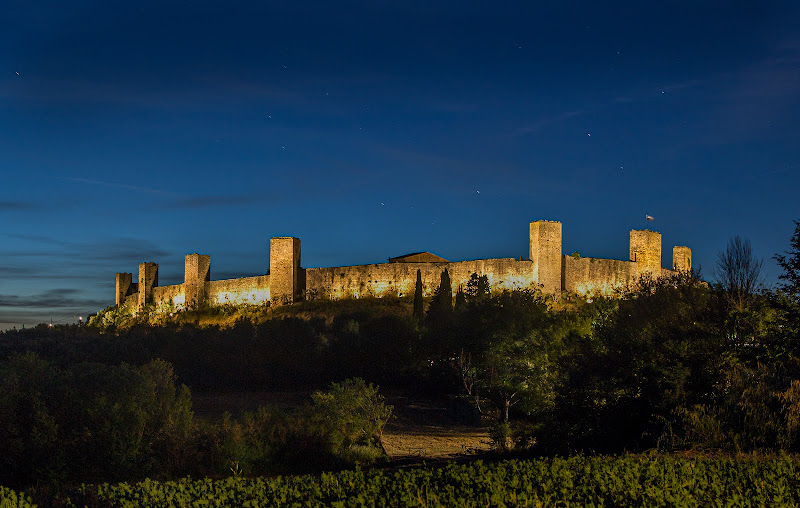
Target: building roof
(418,257)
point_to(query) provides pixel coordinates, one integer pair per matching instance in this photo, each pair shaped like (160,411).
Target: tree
(351,413)
(791,265)
(788,300)
(738,272)
(520,368)
(617,388)
(461,301)
(441,306)
(419,311)
(440,321)
(477,287)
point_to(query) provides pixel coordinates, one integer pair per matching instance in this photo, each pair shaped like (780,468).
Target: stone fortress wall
(546,268)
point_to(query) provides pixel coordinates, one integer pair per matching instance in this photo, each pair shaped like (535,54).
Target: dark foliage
(90,422)
(790,262)
(419,310)
(738,272)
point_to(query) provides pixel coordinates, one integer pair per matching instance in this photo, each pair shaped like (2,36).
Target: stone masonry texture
(284,268)
(547,269)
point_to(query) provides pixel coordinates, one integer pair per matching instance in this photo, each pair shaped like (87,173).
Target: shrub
(90,422)
(350,415)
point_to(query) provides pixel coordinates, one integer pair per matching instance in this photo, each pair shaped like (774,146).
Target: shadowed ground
(418,429)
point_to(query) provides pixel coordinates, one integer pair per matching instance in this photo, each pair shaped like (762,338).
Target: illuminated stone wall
(547,269)
(248,290)
(596,277)
(170,295)
(398,279)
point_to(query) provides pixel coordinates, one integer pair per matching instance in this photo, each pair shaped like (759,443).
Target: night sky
(144,131)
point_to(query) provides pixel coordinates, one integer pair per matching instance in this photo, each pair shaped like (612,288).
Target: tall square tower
(645,250)
(284,269)
(148,279)
(124,286)
(682,258)
(196,272)
(545,252)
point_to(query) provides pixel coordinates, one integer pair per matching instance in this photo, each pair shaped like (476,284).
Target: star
(589,134)
(17,73)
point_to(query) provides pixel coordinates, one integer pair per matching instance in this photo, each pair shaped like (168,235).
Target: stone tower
(284,269)
(196,272)
(125,286)
(645,250)
(148,279)
(682,258)
(545,252)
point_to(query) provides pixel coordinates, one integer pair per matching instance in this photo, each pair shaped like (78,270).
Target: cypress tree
(791,265)
(461,300)
(418,305)
(442,302)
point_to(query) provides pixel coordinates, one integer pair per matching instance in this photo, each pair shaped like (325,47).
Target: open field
(423,430)
(418,430)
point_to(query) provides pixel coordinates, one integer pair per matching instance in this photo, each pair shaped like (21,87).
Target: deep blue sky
(143,131)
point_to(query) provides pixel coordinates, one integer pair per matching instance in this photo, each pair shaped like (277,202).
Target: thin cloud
(137,188)
(177,200)
(114,249)
(655,92)
(39,239)
(54,299)
(426,162)
(27,273)
(123,250)
(539,124)
(212,201)
(758,99)
(16,206)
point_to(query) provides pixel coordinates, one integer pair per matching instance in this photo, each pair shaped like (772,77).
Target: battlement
(546,269)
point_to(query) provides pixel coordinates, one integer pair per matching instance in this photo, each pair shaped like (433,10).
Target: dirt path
(423,429)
